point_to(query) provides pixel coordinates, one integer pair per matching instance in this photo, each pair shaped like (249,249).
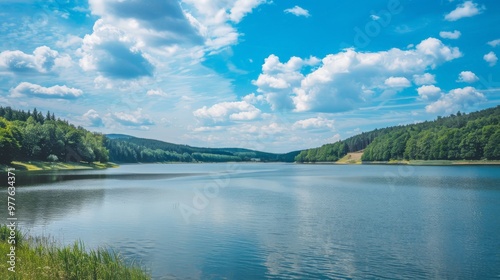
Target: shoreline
(415,163)
(43,165)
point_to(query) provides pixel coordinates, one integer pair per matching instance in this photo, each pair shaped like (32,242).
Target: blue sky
(270,75)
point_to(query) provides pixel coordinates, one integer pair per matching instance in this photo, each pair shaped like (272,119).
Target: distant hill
(473,136)
(128,149)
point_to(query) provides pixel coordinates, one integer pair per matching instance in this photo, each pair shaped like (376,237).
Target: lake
(276,220)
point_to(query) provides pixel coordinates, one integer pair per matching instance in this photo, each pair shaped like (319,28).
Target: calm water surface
(276,221)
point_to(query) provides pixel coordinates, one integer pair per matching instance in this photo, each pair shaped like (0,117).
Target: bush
(52,158)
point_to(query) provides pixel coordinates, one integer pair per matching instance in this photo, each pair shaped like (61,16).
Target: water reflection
(281,221)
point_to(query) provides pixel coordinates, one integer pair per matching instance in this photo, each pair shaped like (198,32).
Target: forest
(474,136)
(128,149)
(35,136)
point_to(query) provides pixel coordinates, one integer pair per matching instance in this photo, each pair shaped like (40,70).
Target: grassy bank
(37,258)
(351,158)
(43,165)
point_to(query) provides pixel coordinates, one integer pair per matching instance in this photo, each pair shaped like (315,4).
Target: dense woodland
(473,136)
(38,136)
(128,149)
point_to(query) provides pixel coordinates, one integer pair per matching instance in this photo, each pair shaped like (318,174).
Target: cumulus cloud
(109,51)
(424,79)
(494,43)
(467,77)
(34,90)
(450,35)
(43,60)
(456,100)
(347,79)
(397,82)
(155,22)
(228,111)
(466,9)
(491,58)
(134,119)
(298,11)
(429,92)
(252,98)
(278,79)
(318,122)
(93,118)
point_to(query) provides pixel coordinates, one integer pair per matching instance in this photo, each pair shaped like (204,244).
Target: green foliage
(38,258)
(471,136)
(9,145)
(31,136)
(128,149)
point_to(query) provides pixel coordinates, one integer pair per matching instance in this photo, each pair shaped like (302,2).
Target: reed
(41,258)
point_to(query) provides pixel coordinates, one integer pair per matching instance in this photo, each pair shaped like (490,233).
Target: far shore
(415,162)
(41,165)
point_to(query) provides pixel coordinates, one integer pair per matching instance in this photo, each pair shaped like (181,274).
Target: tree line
(473,136)
(131,149)
(35,136)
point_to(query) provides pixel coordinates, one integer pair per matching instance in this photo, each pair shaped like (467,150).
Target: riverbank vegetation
(458,137)
(39,258)
(31,136)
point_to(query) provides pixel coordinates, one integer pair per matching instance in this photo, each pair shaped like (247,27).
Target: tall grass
(38,258)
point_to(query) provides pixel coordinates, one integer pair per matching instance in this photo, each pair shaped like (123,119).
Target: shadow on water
(47,206)
(31,178)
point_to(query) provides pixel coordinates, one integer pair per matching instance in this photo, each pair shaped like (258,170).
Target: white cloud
(424,79)
(252,98)
(456,100)
(43,60)
(156,92)
(466,9)
(347,79)
(429,92)
(214,19)
(69,41)
(160,23)
(93,118)
(278,79)
(228,111)
(34,90)
(243,7)
(134,119)
(494,43)
(397,82)
(112,53)
(318,122)
(298,11)
(374,17)
(491,58)
(467,77)
(450,35)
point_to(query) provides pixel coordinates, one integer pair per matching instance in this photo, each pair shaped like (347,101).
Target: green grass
(39,258)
